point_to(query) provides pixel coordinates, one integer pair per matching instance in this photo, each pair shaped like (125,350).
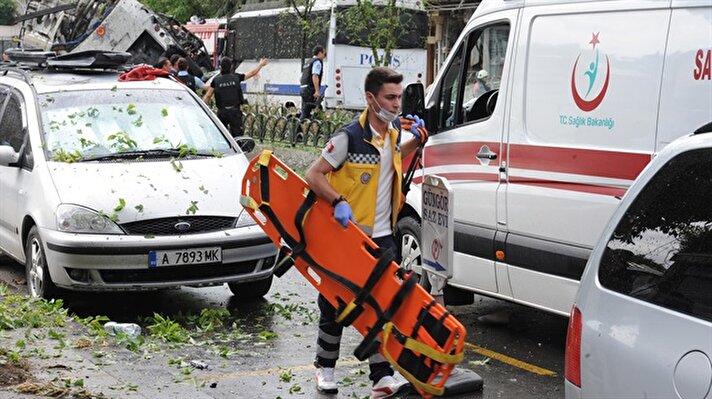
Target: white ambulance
(543,115)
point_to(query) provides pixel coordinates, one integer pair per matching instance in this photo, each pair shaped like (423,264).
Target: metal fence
(277,124)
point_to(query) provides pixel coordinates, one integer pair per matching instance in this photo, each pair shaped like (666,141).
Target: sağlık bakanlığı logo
(584,96)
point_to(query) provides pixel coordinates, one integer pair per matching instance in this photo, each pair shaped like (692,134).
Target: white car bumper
(121,262)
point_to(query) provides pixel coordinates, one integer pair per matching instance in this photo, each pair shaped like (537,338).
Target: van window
(661,250)
(486,51)
(449,92)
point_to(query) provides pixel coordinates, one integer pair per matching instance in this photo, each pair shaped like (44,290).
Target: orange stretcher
(369,290)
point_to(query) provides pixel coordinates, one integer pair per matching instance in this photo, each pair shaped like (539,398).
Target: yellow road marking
(353,362)
(509,360)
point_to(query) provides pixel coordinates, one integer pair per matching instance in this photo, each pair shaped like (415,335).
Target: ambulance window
(449,92)
(486,51)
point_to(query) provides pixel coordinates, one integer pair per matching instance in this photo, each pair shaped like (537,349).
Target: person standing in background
(310,83)
(193,82)
(228,94)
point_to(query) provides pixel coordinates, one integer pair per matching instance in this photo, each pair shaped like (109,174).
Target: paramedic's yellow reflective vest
(357,178)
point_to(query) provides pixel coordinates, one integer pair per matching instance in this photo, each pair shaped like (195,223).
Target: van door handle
(485,153)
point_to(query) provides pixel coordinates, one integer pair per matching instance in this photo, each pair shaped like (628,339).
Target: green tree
(376,25)
(7,12)
(310,24)
(182,10)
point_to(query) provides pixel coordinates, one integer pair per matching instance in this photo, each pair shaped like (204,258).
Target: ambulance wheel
(408,245)
(251,289)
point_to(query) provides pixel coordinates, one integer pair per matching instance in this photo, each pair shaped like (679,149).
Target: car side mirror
(414,100)
(8,155)
(246,143)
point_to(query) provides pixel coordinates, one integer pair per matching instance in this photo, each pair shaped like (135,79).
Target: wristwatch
(337,200)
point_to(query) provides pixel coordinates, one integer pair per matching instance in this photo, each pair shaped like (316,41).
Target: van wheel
(408,245)
(252,289)
(39,282)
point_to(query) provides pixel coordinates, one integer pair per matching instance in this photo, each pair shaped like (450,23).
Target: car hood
(153,188)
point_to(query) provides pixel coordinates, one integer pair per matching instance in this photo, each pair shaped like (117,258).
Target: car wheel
(39,282)
(251,289)
(408,243)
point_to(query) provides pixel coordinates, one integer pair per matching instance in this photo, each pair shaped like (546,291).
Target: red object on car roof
(143,72)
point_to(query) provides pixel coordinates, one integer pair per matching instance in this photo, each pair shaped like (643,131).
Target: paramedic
(366,153)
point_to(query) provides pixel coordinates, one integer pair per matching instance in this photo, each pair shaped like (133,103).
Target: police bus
(275,33)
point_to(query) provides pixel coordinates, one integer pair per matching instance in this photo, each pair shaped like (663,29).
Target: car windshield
(116,124)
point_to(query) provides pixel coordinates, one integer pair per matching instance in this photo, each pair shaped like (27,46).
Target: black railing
(278,124)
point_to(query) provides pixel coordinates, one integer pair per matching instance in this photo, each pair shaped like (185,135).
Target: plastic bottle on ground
(131,329)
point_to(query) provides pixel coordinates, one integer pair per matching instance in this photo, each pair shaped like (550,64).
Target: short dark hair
(161,62)
(182,64)
(225,65)
(318,49)
(378,76)
(175,58)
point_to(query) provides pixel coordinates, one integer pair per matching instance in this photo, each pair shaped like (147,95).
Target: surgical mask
(383,114)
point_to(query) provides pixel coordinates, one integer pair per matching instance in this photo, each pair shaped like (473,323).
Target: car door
(12,133)
(467,145)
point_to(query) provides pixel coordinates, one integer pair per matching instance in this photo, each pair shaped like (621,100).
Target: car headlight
(245,219)
(76,219)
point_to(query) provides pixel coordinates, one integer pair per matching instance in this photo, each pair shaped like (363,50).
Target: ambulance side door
(467,147)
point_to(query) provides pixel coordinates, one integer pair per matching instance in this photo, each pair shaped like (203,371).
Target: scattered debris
(53,389)
(479,362)
(198,364)
(13,373)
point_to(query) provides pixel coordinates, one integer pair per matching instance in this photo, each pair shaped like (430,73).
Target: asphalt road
(519,352)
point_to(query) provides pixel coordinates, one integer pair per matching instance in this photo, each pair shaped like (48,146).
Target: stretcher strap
(417,365)
(347,315)
(292,243)
(421,317)
(367,346)
(299,219)
(416,346)
(436,327)
(416,371)
(264,183)
(416,368)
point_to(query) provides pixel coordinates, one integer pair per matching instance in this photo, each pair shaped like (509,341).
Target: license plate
(193,256)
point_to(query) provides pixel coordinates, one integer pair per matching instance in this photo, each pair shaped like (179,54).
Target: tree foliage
(7,12)
(376,25)
(311,24)
(182,10)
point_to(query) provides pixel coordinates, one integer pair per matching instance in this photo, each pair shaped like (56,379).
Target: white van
(577,97)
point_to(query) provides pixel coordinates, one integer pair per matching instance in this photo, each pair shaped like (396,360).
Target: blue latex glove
(342,213)
(418,127)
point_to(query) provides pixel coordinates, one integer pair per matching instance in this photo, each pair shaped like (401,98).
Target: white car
(641,325)
(109,185)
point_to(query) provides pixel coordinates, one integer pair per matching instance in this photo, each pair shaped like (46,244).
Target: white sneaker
(387,387)
(325,381)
